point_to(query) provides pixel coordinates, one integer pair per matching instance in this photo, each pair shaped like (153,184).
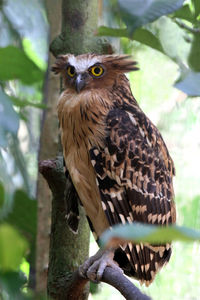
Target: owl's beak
(80,82)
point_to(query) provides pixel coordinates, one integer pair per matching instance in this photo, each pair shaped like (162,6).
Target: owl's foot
(94,266)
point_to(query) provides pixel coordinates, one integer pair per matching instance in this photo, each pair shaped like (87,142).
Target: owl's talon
(93,268)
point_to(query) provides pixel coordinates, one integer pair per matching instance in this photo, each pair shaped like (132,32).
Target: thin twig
(186,27)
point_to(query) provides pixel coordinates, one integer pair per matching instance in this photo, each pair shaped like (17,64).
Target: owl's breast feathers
(121,169)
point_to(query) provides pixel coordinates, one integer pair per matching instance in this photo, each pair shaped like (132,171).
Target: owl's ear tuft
(121,63)
(59,64)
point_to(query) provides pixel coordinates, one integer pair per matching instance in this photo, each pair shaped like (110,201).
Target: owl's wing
(134,174)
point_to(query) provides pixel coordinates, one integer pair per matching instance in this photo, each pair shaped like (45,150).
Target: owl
(117,160)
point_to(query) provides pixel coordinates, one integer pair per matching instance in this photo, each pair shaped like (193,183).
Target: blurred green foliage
(162,40)
(175,32)
(23,61)
(12,249)
(15,64)
(2,195)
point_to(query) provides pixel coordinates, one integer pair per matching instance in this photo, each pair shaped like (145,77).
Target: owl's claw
(94,266)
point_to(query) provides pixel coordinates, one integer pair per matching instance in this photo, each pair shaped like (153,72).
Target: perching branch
(123,285)
(73,286)
(112,277)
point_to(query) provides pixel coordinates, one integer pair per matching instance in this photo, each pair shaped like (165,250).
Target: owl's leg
(94,266)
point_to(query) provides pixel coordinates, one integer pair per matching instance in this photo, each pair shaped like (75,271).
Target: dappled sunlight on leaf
(28,48)
(15,64)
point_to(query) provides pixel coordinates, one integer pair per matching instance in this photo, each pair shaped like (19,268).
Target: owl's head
(91,71)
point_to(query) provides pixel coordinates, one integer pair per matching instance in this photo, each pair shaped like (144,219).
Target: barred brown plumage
(116,157)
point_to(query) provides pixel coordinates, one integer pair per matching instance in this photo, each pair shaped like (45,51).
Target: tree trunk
(67,250)
(79,24)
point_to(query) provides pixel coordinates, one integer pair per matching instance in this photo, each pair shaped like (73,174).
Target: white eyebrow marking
(82,64)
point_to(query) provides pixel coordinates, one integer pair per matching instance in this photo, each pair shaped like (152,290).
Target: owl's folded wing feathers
(134,174)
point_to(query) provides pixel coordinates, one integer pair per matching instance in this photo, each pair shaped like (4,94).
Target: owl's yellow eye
(96,71)
(71,71)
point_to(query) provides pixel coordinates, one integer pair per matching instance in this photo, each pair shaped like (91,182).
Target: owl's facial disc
(82,73)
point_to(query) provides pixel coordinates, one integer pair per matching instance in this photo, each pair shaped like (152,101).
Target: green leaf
(15,64)
(12,248)
(184,13)
(147,38)
(141,35)
(24,103)
(196,4)
(24,215)
(136,13)
(12,281)
(114,32)
(9,119)
(190,84)
(28,48)
(147,233)
(193,59)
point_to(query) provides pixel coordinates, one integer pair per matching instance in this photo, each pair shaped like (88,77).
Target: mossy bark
(68,251)
(79,24)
